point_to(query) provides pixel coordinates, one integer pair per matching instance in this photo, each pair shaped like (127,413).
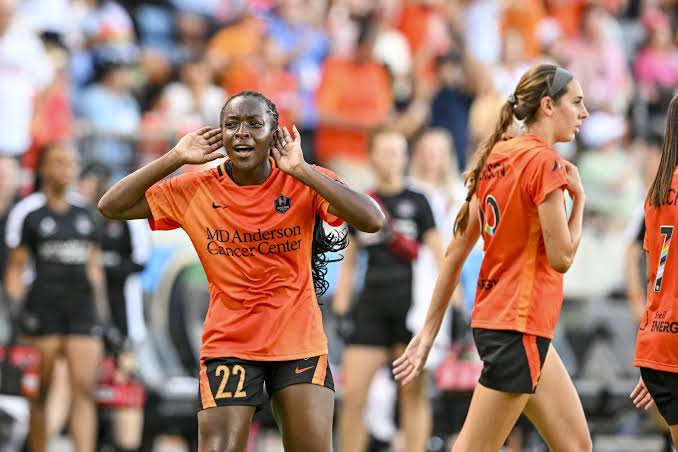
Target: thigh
(224,428)
(555,408)
(304,413)
(489,407)
(359,365)
(49,349)
(83,356)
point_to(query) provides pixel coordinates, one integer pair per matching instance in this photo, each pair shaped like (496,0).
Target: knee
(83,390)
(219,442)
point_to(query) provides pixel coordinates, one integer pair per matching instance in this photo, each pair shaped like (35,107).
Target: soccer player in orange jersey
(516,202)
(657,342)
(255,222)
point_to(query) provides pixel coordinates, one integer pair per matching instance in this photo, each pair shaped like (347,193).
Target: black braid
(270,106)
(324,243)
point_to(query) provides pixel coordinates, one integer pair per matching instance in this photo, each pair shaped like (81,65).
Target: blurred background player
(379,317)
(66,301)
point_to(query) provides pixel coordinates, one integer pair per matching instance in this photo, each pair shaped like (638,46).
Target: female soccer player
(380,314)
(516,202)
(657,342)
(61,236)
(255,222)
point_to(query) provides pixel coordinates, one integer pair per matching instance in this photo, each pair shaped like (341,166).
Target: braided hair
(323,242)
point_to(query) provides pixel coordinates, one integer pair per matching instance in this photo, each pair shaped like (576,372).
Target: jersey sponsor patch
(283,204)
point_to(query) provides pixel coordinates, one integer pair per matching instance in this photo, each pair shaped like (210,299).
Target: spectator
(111,111)
(612,183)
(459,79)
(600,63)
(25,70)
(304,47)
(194,98)
(656,68)
(347,110)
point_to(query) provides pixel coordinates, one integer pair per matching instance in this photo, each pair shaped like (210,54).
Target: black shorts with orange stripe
(240,382)
(512,361)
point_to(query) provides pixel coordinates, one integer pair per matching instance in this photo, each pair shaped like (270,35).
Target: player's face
(569,113)
(60,166)
(246,132)
(389,156)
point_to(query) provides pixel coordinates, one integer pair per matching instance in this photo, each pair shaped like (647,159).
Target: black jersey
(412,216)
(125,248)
(60,244)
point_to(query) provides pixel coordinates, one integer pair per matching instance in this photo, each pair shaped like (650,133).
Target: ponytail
(472,176)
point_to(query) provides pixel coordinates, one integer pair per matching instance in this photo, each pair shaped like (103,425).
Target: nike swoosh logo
(298,371)
(217,206)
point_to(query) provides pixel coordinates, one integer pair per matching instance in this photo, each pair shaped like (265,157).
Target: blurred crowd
(123,80)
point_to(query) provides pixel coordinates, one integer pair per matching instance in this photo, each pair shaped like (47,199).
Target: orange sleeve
(169,199)
(544,174)
(320,204)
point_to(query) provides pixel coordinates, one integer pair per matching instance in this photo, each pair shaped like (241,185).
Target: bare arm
(562,236)
(342,295)
(126,200)
(412,361)
(97,278)
(358,209)
(14,286)
(450,271)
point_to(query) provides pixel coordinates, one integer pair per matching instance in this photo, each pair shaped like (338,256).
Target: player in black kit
(55,230)
(379,316)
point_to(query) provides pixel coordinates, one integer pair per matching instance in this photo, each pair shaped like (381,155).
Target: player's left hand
(287,152)
(641,396)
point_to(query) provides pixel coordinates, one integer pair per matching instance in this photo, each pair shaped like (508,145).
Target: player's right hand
(199,147)
(411,362)
(574,185)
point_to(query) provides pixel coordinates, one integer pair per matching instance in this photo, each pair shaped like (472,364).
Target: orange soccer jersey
(254,243)
(517,288)
(657,343)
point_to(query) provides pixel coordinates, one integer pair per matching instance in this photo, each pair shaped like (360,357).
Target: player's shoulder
(28,206)
(415,194)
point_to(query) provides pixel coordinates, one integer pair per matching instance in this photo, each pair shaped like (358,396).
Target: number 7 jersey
(657,342)
(517,288)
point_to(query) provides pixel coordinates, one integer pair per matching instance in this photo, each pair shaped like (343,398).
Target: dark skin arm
(358,209)
(126,200)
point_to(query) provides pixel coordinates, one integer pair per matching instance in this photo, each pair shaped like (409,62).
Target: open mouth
(242,150)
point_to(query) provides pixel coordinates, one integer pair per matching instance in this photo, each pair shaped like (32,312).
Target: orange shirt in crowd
(282,87)
(353,92)
(517,288)
(254,243)
(657,343)
(524,17)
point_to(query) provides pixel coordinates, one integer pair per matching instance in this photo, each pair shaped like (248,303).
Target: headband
(560,79)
